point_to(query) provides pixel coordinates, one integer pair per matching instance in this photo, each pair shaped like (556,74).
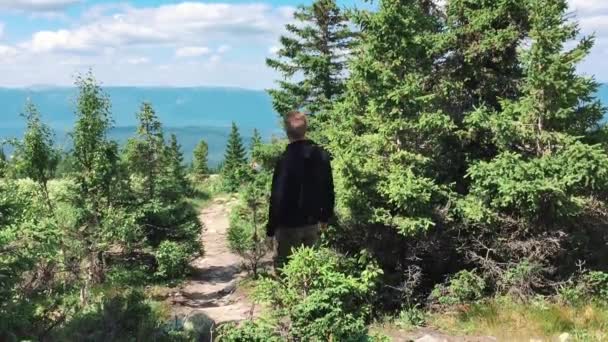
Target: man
(302,197)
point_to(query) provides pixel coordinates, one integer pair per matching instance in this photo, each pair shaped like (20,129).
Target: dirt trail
(211,290)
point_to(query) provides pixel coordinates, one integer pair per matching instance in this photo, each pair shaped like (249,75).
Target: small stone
(565,337)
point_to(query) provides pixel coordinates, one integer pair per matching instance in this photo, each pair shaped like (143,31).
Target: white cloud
(138,60)
(223,49)
(273,50)
(179,24)
(37,5)
(7,52)
(588,6)
(192,51)
(215,59)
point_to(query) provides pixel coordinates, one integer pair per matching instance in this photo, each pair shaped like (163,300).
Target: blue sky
(176,42)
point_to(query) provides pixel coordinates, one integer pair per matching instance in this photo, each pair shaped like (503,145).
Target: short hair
(296,125)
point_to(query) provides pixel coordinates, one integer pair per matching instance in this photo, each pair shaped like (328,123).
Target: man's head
(296,125)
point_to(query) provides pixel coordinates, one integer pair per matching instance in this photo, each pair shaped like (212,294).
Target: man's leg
(282,246)
(288,239)
(309,235)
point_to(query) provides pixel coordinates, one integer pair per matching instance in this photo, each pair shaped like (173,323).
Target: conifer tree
(200,161)
(36,156)
(235,155)
(145,153)
(545,175)
(3,163)
(176,168)
(235,160)
(316,49)
(547,124)
(256,141)
(96,171)
(387,140)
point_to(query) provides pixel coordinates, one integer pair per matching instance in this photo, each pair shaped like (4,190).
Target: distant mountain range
(191,113)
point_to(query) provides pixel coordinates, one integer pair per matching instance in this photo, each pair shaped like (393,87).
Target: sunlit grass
(508,320)
(204,190)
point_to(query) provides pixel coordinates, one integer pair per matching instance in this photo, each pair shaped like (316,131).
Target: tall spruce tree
(37,158)
(96,171)
(176,168)
(256,141)
(3,162)
(386,139)
(235,159)
(479,67)
(235,155)
(145,153)
(545,175)
(312,59)
(200,162)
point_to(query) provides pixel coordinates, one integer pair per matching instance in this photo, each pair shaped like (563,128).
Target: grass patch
(506,319)
(205,190)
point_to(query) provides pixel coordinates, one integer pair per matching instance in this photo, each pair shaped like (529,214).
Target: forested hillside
(470,161)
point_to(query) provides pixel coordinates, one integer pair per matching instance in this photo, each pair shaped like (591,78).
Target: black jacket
(302,187)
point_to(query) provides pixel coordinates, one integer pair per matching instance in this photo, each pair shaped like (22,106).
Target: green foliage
(324,295)
(386,139)
(590,286)
(3,163)
(118,317)
(246,233)
(463,287)
(172,259)
(234,169)
(316,49)
(200,161)
(507,319)
(29,246)
(178,185)
(253,331)
(268,154)
(64,243)
(35,156)
(145,154)
(96,174)
(411,317)
(256,141)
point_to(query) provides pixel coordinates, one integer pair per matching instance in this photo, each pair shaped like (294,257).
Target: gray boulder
(200,325)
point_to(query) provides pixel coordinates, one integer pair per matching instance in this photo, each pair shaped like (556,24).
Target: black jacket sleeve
(327,194)
(273,206)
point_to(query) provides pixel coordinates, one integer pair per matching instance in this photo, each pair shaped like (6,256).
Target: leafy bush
(246,233)
(411,317)
(463,287)
(589,286)
(250,331)
(172,259)
(325,296)
(119,317)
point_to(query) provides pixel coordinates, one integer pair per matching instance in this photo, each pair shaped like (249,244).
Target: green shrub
(250,331)
(246,233)
(172,259)
(325,296)
(519,279)
(411,317)
(118,317)
(463,287)
(589,286)
(595,284)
